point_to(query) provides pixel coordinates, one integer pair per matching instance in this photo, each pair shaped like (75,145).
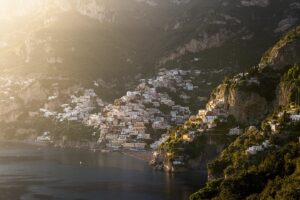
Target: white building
(44,138)
(295,117)
(254,149)
(235,131)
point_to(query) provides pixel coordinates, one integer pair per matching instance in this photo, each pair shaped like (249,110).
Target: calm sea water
(30,173)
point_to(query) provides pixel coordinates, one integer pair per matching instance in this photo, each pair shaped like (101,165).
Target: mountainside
(131,75)
(263,162)
(241,100)
(117,40)
(67,65)
(250,96)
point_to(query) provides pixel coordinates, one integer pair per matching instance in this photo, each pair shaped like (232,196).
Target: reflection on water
(28,172)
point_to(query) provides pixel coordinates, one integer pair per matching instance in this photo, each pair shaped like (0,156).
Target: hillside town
(130,122)
(136,121)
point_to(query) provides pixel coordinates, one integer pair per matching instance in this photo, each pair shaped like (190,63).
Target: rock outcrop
(244,95)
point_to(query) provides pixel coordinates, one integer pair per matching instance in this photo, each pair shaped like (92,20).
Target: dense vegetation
(273,171)
(292,82)
(178,145)
(264,162)
(270,174)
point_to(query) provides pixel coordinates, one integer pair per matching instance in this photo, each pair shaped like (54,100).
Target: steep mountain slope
(263,162)
(123,39)
(98,50)
(242,100)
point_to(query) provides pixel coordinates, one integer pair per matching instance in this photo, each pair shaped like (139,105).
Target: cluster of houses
(292,114)
(257,148)
(129,122)
(78,109)
(246,79)
(216,109)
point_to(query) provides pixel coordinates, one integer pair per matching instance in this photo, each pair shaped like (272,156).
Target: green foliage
(226,124)
(292,82)
(272,173)
(209,191)
(195,148)
(276,176)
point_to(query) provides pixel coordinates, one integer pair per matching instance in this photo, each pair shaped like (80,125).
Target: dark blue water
(28,172)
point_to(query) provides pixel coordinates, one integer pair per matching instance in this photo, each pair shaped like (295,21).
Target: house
(158,125)
(210,117)
(189,87)
(111,136)
(156,104)
(173,114)
(186,137)
(295,117)
(201,113)
(275,127)
(201,130)
(114,146)
(211,125)
(254,149)
(235,131)
(134,146)
(44,138)
(266,144)
(139,125)
(122,138)
(144,136)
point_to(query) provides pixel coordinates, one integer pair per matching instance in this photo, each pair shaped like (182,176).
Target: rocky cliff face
(245,94)
(283,92)
(247,107)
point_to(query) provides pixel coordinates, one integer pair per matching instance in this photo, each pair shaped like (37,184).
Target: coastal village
(140,119)
(136,121)
(131,121)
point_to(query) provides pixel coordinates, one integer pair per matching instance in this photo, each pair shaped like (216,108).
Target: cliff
(262,162)
(251,96)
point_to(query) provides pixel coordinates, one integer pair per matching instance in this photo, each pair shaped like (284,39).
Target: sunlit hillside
(125,38)
(99,97)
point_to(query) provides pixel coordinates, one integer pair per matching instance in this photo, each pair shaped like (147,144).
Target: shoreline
(145,156)
(31,143)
